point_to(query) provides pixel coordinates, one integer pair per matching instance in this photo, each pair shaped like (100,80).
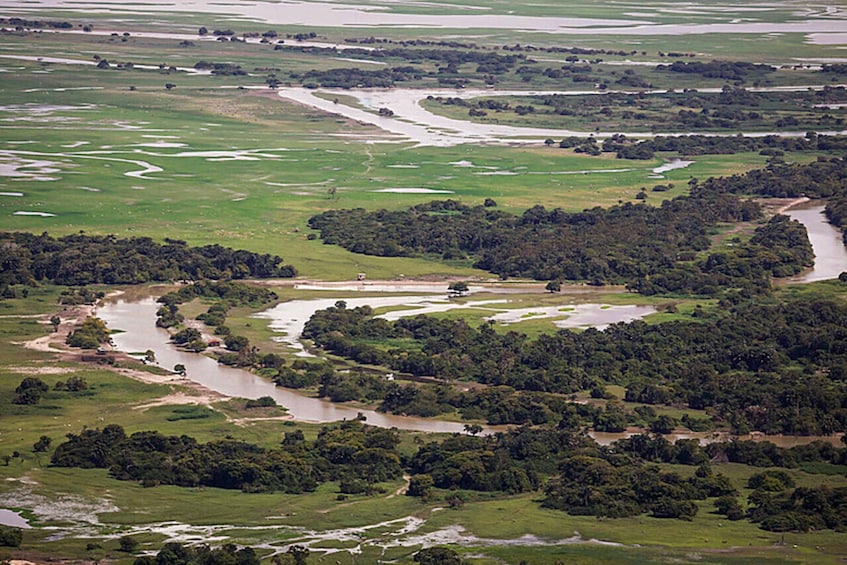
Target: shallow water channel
(137,320)
(12,518)
(827,242)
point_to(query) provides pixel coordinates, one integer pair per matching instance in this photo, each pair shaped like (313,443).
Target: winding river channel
(137,320)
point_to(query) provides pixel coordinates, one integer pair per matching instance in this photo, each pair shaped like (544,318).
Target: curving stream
(827,242)
(137,320)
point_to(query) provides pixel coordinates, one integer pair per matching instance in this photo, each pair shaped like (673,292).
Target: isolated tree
(150,356)
(42,445)
(30,391)
(55,321)
(553,286)
(458,288)
(473,429)
(127,544)
(420,485)
(180,368)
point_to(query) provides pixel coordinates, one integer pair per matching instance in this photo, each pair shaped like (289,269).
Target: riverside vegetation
(179,191)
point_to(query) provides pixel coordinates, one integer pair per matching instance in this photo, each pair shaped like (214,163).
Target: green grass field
(115,151)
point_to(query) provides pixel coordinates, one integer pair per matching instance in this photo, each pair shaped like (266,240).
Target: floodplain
(131,122)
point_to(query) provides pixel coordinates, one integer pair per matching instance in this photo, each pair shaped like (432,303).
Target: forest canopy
(89,259)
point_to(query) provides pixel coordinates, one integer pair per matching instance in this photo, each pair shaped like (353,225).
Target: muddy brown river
(137,320)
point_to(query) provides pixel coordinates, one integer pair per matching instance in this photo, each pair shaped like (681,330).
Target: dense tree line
(729,70)
(174,553)
(86,259)
(652,249)
(690,145)
(575,473)
(822,179)
(684,111)
(36,24)
(220,69)
(516,48)
(769,366)
(836,212)
(347,449)
(583,478)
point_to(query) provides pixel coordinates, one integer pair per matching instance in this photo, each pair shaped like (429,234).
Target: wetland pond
(13,519)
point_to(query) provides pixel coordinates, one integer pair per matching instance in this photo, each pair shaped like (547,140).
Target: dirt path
(783,208)
(401,490)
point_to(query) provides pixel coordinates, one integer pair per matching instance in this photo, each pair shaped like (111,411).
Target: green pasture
(255,186)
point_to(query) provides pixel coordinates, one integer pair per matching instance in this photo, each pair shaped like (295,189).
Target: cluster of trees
(768,366)
(221,69)
(771,145)
(834,68)
(174,553)
(684,111)
(90,334)
(20,23)
(228,293)
(652,249)
(755,454)
(78,260)
(836,212)
(778,508)
(356,78)
(729,70)
(10,536)
(576,474)
(30,391)
(612,486)
(583,478)
(346,449)
(446,61)
(822,179)
(81,295)
(225,295)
